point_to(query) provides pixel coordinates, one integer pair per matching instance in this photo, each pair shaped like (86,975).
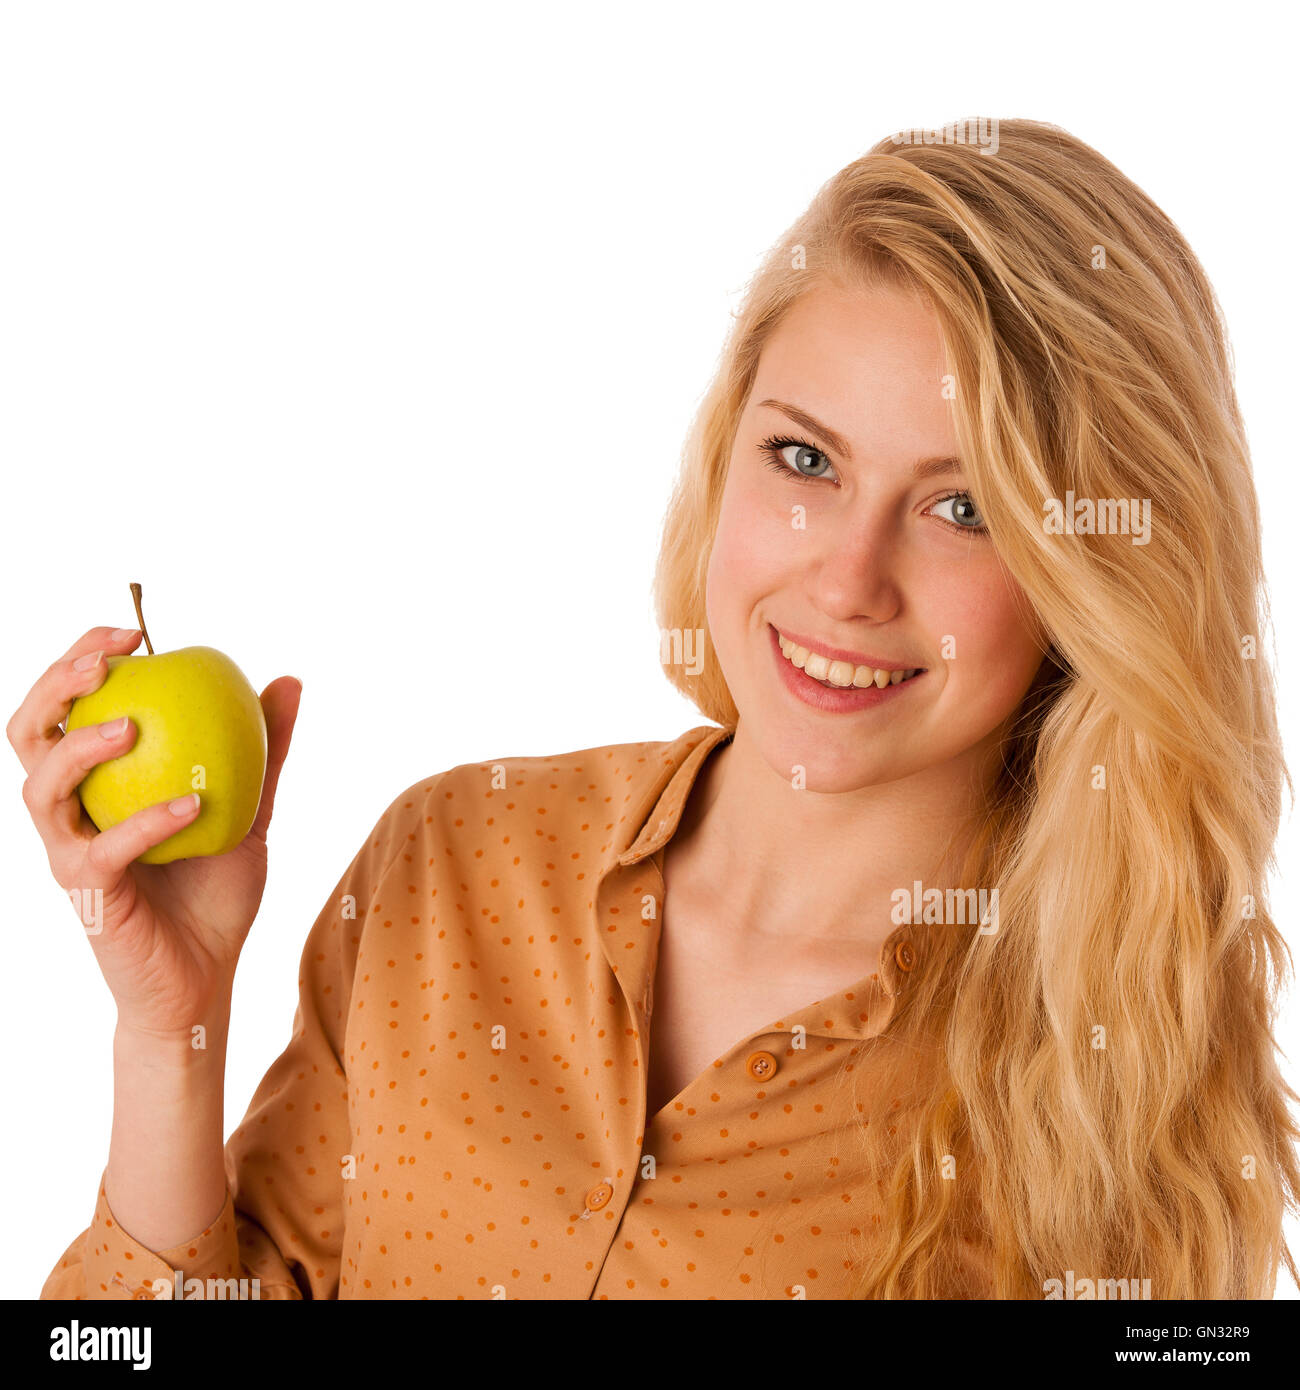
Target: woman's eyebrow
(811,422)
(923,469)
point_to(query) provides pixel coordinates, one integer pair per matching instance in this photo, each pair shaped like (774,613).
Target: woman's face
(863,559)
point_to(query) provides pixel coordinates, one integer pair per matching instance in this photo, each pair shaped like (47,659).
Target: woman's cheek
(755,545)
(994,655)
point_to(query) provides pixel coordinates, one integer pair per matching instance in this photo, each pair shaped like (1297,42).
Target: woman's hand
(170,934)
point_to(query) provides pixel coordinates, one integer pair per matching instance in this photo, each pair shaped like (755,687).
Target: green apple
(200,728)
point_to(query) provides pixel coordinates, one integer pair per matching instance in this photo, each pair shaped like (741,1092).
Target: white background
(366,337)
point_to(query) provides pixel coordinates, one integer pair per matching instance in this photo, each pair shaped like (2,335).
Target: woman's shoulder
(481,807)
(522,841)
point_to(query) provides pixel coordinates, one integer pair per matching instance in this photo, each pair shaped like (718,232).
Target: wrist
(203,1045)
(203,1032)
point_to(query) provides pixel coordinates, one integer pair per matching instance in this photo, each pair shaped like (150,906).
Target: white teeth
(840,673)
(817,666)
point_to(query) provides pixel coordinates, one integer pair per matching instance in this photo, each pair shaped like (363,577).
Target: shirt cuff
(118,1267)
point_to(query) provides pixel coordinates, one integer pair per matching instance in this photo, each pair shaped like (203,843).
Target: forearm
(166,1179)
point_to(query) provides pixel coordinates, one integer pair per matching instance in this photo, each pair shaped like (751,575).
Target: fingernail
(84,663)
(123,633)
(183,805)
(114,730)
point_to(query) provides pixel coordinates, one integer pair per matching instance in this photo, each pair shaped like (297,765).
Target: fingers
(110,852)
(120,639)
(50,793)
(34,728)
(280,703)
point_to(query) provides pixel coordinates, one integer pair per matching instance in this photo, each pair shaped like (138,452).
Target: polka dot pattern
(460,1112)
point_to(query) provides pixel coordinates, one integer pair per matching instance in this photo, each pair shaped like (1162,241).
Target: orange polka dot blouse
(461,1110)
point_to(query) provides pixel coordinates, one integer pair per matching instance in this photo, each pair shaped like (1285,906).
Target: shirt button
(142,1292)
(762,1066)
(598,1196)
(904,955)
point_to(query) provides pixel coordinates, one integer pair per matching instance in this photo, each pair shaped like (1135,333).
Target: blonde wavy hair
(1168,1153)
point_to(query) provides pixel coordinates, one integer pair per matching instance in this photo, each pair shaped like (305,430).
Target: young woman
(937,964)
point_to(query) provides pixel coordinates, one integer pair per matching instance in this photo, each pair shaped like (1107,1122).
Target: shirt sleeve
(282,1223)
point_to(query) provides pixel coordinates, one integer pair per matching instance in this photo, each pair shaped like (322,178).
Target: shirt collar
(665,785)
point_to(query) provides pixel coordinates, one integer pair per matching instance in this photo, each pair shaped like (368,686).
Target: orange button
(762,1066)
(598,1196)
(142,1292)
(904,955)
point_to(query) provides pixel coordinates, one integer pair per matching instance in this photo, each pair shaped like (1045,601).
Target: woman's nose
(854,571)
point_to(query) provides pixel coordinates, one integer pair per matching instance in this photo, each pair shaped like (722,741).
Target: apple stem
(136,593)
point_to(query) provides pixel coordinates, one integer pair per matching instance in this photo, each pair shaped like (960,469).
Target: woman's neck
(767,855)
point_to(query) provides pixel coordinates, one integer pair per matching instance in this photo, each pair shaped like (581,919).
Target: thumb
(280,705)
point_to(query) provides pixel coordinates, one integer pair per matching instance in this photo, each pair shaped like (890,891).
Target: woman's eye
(798,458)
(965,515)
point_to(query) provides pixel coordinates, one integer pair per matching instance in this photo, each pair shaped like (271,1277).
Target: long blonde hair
(1095,1083)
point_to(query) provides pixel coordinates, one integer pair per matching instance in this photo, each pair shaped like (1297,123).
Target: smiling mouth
(842,675)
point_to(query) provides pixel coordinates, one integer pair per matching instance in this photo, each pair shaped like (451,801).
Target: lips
(848,697)
(840,669)
(832,653)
